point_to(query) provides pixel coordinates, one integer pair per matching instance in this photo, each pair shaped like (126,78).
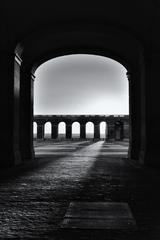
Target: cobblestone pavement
(35,197)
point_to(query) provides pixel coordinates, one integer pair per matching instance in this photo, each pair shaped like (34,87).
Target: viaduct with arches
(117,126)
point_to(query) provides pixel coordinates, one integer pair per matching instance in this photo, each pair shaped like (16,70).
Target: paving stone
(99,215)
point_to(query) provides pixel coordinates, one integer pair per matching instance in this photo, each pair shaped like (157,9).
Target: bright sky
(81,84)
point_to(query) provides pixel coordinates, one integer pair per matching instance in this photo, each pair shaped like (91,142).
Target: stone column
(119,135)
(122,131)
(40,131)
(68,131)
(82,131)
(150,143)
(134,116)
(111,130)
(126,130)
(17,66)
(117,132)
(54,131)
(26,113)
(10,108)
(96,130)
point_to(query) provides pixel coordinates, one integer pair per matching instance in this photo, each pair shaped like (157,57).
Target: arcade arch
(47,130)
(103,130)
(34,130)
(62,130)
(75,130)
(89,130)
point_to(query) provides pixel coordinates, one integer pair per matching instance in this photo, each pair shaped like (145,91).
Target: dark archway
(113,43)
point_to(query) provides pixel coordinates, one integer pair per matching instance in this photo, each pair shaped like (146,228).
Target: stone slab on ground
(99,215)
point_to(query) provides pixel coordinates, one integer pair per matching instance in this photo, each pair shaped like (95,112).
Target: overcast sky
(81,84)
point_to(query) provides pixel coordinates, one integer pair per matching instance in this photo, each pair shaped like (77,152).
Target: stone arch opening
(89,130)
(100,101)
(75,130)
(67,133)
(62,130)
(118,45)
(47,130)
(34,130)
(103,130)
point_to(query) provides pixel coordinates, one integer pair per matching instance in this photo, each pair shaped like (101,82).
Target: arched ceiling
(50,28)
(68,39)
(27,16)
